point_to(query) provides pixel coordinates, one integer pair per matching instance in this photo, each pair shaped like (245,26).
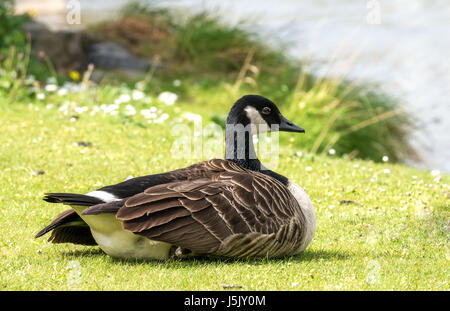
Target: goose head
(261,114)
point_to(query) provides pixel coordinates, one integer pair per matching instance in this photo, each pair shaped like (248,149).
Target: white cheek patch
(256,120)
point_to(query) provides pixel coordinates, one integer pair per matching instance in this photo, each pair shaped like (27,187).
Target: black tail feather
(72,199)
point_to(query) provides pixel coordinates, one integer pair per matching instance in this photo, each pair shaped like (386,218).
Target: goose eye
(266,110)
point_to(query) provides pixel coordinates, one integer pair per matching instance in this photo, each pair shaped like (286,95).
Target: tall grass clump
(355,120)
(196,43)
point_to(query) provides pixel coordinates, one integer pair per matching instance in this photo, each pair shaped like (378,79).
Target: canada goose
(233,207)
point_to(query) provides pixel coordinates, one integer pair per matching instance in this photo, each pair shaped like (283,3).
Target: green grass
(393,235)
(379,225)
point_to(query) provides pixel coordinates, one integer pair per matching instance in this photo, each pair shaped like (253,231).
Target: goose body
(231,207)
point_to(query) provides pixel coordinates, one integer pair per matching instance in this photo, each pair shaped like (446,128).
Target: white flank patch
(257,120)
(308,210)
(109,234)
(103,195)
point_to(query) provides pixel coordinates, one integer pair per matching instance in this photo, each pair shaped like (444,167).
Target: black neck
(239,148)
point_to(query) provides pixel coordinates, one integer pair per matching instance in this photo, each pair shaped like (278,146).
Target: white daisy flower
(130,110)
(168,98)
(62,91)
(51,80)
(51,87)
(137,95)
(192,117)
(140,85)
(111,109)
(162,118)
(147,113)
(435,173)
(80,110)
(124,98)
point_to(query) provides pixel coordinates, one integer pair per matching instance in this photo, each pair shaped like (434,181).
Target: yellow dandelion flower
(32,12)
(75,75)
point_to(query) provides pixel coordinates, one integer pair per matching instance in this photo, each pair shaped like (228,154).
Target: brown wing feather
(225,210)
(73,234)
(68,227)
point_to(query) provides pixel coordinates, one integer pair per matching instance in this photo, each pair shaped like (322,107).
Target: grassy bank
(379,226)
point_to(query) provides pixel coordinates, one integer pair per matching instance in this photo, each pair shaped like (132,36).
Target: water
(403,45)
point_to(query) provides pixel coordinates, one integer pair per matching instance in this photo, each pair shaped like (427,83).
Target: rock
(75,50)
(65,49)
(111,55)
(34,28)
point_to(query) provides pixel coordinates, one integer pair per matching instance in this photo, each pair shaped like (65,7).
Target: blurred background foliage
(217,63)
(11,33)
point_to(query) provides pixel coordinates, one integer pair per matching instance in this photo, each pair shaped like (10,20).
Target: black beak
(288,126)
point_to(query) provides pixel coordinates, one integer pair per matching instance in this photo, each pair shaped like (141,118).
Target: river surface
(402,45)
